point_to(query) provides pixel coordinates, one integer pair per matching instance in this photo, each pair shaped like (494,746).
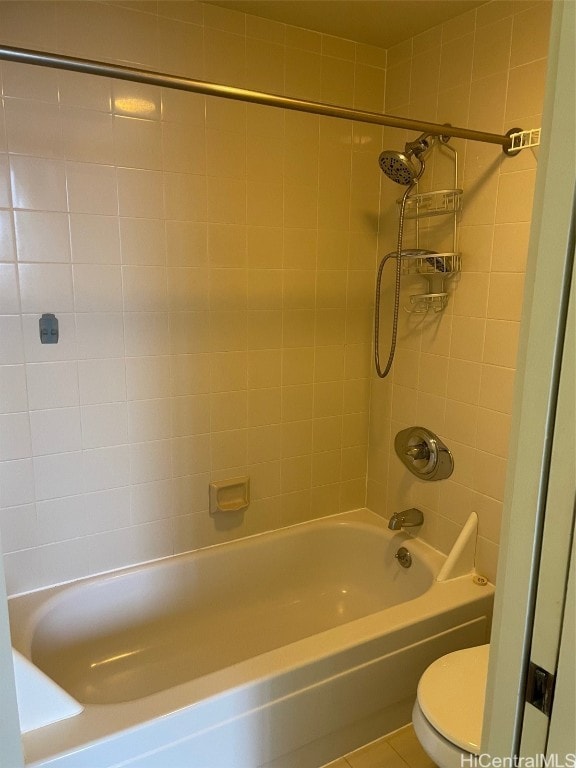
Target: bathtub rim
(362,516)
(37,603)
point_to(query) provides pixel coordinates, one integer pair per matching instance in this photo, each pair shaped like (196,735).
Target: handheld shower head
(399,167)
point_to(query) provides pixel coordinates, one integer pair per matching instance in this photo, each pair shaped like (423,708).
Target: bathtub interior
(139,631)
(302,703)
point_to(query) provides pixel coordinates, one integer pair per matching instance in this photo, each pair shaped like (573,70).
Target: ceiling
(377,22)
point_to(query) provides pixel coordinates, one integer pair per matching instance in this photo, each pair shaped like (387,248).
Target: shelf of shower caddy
(421,303)
(439,264)
(436,203)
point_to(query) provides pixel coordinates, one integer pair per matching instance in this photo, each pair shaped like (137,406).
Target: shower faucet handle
(419,451)
(423,453)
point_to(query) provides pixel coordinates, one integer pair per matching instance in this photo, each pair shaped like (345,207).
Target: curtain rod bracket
(512,150)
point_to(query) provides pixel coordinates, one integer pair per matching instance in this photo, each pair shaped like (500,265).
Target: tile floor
(400,749)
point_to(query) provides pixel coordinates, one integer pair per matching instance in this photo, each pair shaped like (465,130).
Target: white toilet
(448,712)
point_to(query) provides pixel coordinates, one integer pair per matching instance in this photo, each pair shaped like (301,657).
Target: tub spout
(406,519)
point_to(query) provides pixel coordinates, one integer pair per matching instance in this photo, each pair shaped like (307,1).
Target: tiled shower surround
(212,267)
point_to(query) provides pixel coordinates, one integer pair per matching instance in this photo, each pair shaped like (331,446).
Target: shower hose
(383,373)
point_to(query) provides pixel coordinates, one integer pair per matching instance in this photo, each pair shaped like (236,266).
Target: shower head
(399,167)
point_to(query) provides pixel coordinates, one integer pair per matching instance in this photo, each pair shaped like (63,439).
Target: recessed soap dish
(232,495)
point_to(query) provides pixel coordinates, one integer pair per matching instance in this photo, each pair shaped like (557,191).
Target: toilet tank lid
(451,695)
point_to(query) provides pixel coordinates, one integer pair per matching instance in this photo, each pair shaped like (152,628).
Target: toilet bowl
(449,708)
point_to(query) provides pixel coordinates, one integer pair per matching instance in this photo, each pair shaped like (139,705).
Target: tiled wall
(454,371)
(211,265)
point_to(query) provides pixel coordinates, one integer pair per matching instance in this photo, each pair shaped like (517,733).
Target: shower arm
(150,77)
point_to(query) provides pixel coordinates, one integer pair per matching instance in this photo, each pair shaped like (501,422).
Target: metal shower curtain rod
(150,77)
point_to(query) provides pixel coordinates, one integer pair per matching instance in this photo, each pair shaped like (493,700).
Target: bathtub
(284,649)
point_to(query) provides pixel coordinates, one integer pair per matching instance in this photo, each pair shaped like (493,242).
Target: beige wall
(211,265)
(454,371)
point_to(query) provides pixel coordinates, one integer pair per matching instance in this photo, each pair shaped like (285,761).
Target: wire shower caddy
(436,268)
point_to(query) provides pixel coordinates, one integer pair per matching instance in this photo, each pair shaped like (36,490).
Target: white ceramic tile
(140,193)
(9,299)
(115,549)
(13,392)
(22,571)
(143,241)
(185,197)
(148,377)
(190,415)
(97,288)
(228,330)
(228,450)
(91,188)
(144,289)
(108,509)
(52,385)
(183,147)
(190,455)
(181,48)
(150,461)
(38,183)
(102,381)
(104,425)
(94,239)
(80,28)
(146,333)
(87,135)
(106,468)
(55,430)
(7,248)
(228,371)
(100,334)
(190,374)
(150,501)
(42,236)
(487,558)
(45,287)
(137,143)
(190,496)
(63,561)
(33,128)
(18,527)
(14,436)
(58,474)
(11,340)
(135,37)
(16,482)
(32,25)
(489,516)
(136,100)
(186,243)
(61,519)
(188,289)
(149,420)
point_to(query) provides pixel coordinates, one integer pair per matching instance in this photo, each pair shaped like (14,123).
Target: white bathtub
(285,649)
